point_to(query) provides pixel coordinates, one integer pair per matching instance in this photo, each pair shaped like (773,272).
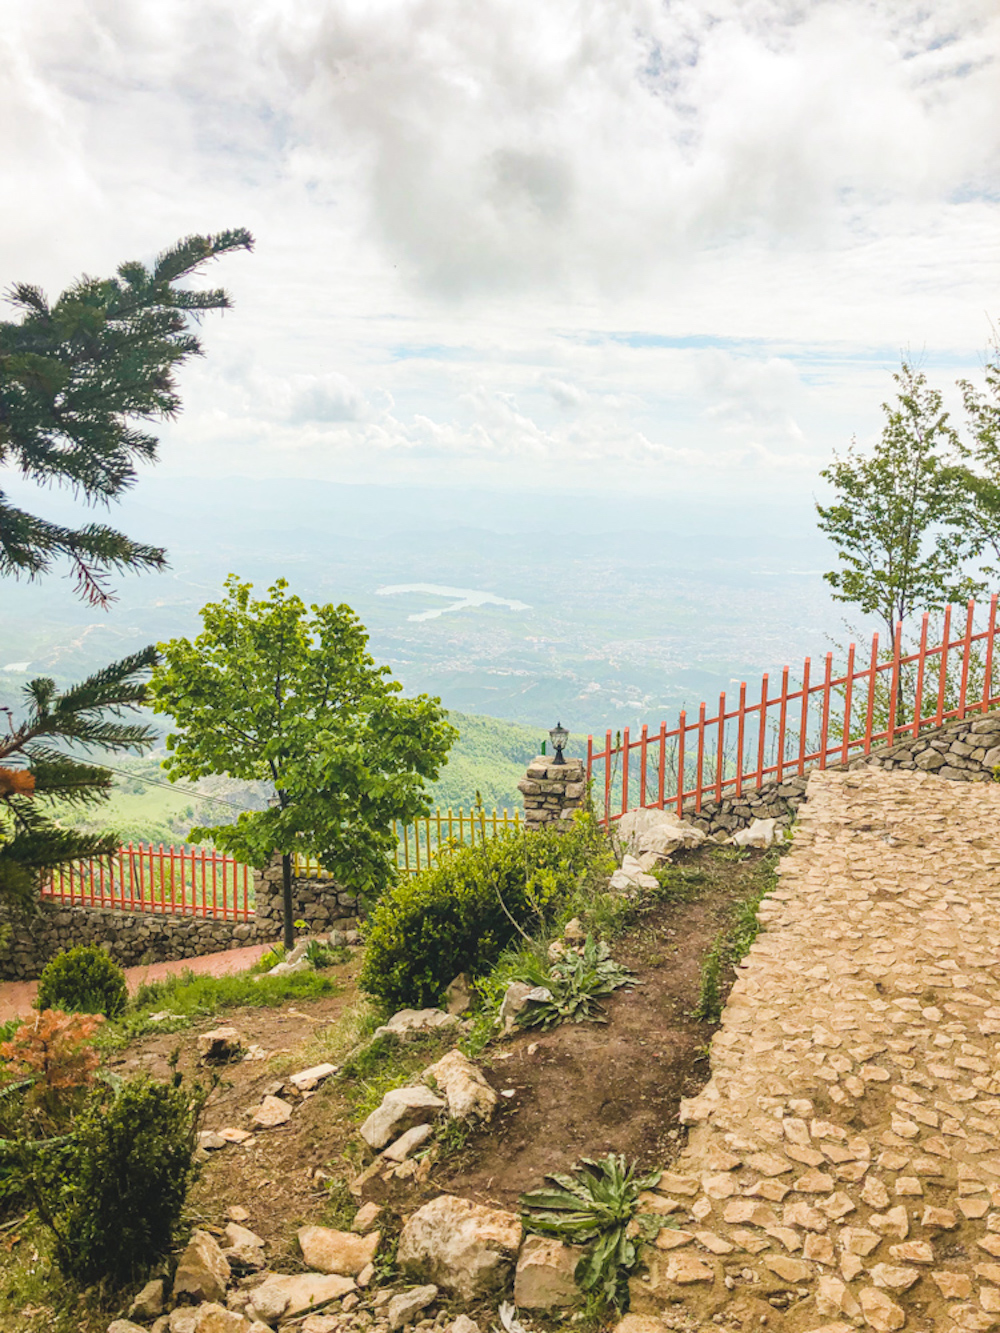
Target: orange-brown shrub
(53,1051)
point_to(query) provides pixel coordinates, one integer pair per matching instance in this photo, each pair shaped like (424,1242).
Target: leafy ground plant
(575,983)
(594,1207)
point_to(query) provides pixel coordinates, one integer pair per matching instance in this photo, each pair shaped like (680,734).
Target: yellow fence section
(419,845)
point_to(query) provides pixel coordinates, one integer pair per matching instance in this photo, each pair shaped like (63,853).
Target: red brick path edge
(17,997)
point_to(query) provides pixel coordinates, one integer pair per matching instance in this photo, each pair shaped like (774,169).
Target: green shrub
(112,1194)
(83,980)
(459,915)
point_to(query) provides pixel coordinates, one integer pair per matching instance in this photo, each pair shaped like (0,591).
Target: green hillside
(489,758)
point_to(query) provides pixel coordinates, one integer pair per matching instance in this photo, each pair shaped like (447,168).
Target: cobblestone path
(843,1164)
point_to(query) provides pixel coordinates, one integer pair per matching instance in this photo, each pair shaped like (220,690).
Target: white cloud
(610,245)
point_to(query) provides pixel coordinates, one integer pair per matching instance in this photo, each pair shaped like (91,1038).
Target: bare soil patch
(585,1089)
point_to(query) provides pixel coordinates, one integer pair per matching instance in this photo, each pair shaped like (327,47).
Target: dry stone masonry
(843,1164)
(132,938)
(552,792)
(965,750)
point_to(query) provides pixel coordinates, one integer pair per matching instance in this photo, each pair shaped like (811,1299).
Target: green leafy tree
(900,517)
(982,455)
(273,690)
(75,379)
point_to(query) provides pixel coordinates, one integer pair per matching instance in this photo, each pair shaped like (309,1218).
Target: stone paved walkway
(843,1165)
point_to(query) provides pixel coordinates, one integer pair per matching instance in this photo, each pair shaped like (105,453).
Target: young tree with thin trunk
(277,691)
(900,519)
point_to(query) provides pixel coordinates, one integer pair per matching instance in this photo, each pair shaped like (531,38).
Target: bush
(459,915)
(112,1194)
(83,980)
(48,1067)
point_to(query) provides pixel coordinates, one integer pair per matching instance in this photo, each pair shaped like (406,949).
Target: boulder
(659,832)
(220,1045)
(342,1252)
(458,996)
(203,1272)
(468,1094)
(271,1112)
(408,1021)
(284,1295)
(544,1277)
(401,1109)
(183,1319)
(461,1246)
(287,968)
(402,1308)
(515,999)
(244,1249)
(149,1302)
(760,834)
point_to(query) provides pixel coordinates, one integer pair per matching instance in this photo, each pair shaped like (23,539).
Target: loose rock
(461,1246)
(544,1276)
(467,1092)
(403,1307)
(401,1109)
(342,1252)
(203,1272)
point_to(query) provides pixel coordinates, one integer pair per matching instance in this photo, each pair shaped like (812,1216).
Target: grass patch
(189,997)
(734,940)
(385,1064)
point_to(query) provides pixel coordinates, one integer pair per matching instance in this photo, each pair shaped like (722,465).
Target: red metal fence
(173,881)
(808,722)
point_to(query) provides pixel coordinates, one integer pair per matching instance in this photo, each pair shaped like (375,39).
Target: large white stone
(408,1021)
(760,834)
(401,1109)
(461,1246)
(203,1272)
(544,1277)
(343,1252)
(467,1092)
(283,1295)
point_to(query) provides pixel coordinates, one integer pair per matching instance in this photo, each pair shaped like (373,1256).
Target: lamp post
(559,736)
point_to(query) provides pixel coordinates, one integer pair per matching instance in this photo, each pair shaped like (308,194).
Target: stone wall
(552,792)
(961,751)
(320,903)
(132,938)
(129,937)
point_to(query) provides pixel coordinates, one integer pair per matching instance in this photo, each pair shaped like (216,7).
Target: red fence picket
(795,724)
(172,881)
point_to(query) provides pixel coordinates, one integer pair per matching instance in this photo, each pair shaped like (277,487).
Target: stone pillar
(552,792)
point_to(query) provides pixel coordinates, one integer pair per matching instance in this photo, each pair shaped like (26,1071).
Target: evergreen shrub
(459,915)
(83,980)
(112,1194)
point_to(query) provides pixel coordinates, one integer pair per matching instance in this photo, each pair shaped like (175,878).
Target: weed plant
(594,1207)
(188,996)
(575,982)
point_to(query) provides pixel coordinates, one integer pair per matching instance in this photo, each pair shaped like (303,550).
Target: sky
(641,247)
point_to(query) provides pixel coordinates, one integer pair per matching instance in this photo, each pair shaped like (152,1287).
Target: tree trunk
(288,928)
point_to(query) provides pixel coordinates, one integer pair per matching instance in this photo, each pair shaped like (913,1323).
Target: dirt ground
(580,1090)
